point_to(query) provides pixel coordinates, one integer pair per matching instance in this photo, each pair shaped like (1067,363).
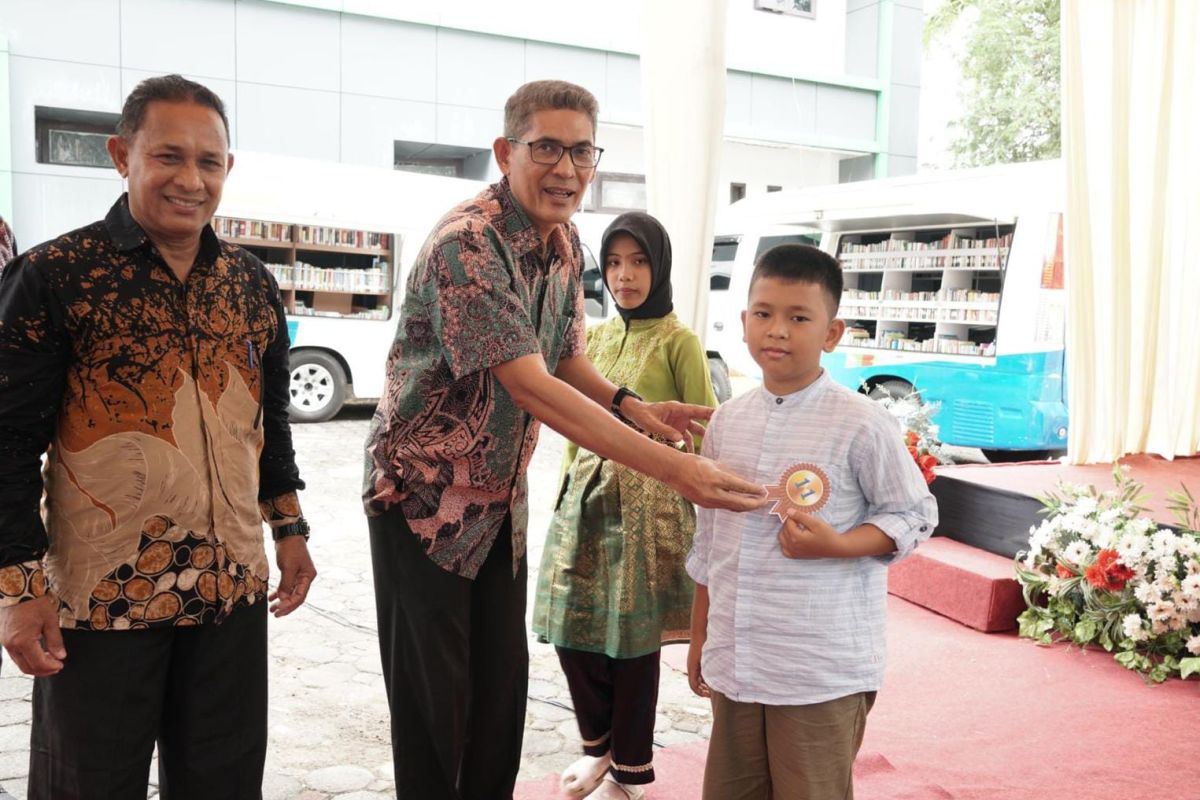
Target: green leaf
(1189,667)
(1128,659)
(1085,631)
(1105,640)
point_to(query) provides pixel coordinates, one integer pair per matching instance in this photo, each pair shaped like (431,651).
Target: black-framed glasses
(549,153)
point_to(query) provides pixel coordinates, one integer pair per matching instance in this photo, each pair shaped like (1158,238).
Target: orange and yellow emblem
(804,487)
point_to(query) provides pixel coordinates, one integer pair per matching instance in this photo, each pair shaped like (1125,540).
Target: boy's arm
(699,635)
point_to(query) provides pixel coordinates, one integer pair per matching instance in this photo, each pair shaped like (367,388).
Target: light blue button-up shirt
(785,631)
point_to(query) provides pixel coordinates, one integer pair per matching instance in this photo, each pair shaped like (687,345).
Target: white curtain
(683,103)
(1131,128)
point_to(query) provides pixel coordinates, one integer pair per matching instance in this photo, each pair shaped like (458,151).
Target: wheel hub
(311,387)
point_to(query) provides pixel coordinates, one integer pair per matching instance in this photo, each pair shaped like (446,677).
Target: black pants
(200,692)
(615,701)
(455,664)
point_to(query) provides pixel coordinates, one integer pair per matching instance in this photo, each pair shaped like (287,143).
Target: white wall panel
(288,46)
(291,122)
(371,125)
(191,37)
(389,59)
(69,30)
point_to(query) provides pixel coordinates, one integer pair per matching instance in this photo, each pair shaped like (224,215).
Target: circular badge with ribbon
(803,486)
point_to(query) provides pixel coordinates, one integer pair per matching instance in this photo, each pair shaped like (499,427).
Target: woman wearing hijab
(612,586)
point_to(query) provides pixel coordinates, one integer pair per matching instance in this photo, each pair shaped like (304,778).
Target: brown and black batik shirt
(162,407)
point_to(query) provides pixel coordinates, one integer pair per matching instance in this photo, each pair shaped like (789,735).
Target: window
(614,192)
(446,167)
(774,188)
(724,252)
(73,138)
(736,192)
(795,8)
(447,160)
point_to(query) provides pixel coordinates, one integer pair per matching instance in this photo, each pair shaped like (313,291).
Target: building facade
(818,91)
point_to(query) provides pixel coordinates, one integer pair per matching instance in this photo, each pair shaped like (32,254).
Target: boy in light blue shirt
(788,624)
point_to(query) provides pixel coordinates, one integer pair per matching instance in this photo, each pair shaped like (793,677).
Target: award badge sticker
(803,486)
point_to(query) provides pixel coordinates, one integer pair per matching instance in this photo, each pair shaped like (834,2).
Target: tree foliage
(1011,78)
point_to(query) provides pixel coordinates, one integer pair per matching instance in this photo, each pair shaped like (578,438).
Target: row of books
(948,242)
(359,313)
(313,234)
(234,228)
(986,316)
(964,260)
(894,340)
(306,277)
(941,296)
(252,229)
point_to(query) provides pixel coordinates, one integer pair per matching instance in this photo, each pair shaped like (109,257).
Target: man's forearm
(569,412)
(581,373)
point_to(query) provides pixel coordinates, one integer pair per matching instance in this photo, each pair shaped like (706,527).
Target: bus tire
(892,387)
(316,386)
(718,370)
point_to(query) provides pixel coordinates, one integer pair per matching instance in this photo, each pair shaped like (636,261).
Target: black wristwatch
(297,528)
(621,394)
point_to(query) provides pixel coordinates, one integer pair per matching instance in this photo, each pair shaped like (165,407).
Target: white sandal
(615,790)
(585,775)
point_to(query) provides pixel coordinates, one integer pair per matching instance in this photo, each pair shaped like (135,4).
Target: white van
(340,240)
(953,289)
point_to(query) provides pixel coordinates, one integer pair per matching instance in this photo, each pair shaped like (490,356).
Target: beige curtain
(683,103)
(1131,123)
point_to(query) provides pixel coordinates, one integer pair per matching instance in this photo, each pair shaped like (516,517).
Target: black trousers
(615,701)
(200,692)
(455,664)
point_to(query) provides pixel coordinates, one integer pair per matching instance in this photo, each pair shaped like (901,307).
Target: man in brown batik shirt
(149,360)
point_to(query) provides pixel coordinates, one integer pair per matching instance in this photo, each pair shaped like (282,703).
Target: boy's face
(787,327)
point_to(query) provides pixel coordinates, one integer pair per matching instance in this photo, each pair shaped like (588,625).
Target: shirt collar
(516,226)
(796,398)
(127,234)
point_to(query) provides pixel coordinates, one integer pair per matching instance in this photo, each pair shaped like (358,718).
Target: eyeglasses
(549,153)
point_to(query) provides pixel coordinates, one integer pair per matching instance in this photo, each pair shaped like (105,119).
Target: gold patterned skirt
(612,578)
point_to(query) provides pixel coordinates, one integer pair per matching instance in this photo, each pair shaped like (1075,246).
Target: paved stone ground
(328,713)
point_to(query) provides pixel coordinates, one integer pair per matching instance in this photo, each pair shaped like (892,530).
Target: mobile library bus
(340,240)
(953,290)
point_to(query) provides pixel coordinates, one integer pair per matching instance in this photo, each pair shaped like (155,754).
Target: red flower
(1064,571)
(1106,573)
(911,439)
(912,451)
(927,462)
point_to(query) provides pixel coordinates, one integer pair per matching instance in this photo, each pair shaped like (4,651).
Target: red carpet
(1034,478)
(974,716)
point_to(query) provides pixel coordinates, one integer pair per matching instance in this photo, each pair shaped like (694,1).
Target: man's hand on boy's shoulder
(806,536)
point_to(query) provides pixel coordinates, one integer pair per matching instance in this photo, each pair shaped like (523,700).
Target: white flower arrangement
(1098,572)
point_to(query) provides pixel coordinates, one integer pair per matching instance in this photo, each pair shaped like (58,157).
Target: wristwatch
(297,528)
(621,394)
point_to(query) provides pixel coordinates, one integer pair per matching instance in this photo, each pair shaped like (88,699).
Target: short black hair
(167,89)
(800,263)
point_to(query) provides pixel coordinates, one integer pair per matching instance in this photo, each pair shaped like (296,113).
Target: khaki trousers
(761,752)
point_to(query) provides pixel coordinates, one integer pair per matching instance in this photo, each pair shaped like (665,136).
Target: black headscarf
(652,237)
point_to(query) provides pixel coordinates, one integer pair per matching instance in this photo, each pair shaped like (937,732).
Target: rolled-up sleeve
(34,348)
(479,318)
(898,499)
